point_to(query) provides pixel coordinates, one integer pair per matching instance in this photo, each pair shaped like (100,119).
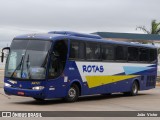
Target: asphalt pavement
(145,101)
(1,77)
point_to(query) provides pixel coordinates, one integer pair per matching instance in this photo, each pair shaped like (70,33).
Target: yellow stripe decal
(95,81)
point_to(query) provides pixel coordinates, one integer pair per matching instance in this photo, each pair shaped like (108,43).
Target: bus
(64,64)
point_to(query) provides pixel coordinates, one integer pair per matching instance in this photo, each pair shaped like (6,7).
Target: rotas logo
(92,68)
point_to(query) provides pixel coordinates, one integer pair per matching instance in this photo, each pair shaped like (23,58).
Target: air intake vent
(75,34)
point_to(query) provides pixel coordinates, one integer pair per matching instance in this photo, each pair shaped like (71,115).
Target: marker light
(38,88)
(7,85)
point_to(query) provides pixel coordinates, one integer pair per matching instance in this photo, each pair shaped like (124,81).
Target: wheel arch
(138,82)
(76,82)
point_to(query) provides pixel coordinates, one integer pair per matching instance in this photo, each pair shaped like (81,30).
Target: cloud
(25,16)
(78,14)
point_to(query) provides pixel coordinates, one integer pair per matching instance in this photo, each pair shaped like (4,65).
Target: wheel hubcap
(72,93)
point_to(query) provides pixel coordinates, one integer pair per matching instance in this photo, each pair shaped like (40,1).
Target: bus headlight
(38,88)
(7,85)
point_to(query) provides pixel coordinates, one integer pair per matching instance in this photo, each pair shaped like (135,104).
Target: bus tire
(134,89)
(72,94)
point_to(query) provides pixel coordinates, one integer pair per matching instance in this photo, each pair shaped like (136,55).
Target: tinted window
(81,50)
(153,54)
(107,52)
(143,54)
(77,50)
(19,44)
(74,47)
(120,53)
(39,45)
(132,54)
(92,51)
(57,63)
(61,47)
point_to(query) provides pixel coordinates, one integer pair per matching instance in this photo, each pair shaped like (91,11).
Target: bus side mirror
(2,56)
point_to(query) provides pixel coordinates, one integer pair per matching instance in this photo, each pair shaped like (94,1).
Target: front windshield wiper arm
(19,65)
(28,66)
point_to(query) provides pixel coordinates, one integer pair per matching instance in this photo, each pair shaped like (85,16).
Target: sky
(19,17)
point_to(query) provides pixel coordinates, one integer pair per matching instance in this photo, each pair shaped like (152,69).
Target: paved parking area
(1,77)
(146,100)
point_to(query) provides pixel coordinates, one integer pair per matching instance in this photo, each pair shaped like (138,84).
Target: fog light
(7,85)
(38,88)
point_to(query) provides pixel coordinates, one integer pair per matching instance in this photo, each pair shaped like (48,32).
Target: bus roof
(57,35)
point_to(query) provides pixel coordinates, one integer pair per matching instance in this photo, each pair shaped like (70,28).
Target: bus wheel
(72,94)
(134,90)
(38,99)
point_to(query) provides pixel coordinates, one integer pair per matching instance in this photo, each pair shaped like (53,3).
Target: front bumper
(27,92)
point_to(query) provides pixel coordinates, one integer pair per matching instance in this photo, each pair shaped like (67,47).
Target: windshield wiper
(28,66)
(19,65)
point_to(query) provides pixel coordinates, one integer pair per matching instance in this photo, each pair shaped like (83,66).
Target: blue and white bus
(67,65)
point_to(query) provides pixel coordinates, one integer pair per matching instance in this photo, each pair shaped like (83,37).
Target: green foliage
(155,28)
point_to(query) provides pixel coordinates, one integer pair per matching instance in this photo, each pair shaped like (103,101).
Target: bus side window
(92,51)
(144,55)
(107,52)
(58,58)
(132,54)
(120,53)
(74,47)
(81,50)
(153,55)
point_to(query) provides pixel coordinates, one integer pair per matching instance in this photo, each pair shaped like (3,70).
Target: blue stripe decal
(132,69)
(152,66)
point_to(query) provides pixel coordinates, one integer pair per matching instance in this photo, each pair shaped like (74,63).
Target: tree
(155,28)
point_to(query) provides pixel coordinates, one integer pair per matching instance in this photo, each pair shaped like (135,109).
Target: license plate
(20,93)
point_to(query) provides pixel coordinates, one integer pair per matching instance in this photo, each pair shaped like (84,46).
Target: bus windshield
(27,59)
